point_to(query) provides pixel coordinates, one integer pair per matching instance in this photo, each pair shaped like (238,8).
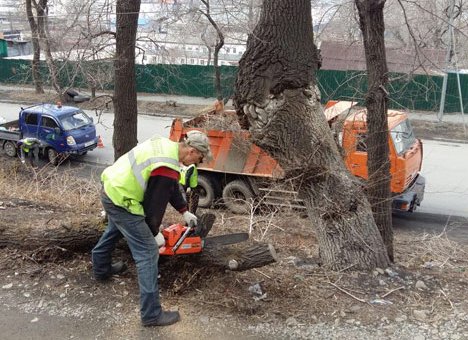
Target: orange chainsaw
(191,239)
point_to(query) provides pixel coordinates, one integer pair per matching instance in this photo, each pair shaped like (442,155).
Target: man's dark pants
(141,242)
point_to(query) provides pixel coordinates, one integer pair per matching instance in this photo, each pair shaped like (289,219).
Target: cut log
(61,242)
(241,257)
(73,238)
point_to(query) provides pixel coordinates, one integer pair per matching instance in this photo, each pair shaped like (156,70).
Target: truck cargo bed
(233,153)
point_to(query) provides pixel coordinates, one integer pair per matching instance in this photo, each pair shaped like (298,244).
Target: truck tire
(237,197)
(72,93)
(53,156)
(10,148)
(207,191)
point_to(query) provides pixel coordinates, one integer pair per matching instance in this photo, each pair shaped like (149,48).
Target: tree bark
(72,237)
(276,97)
(217,81)
(240,258)
(125,97)
(371,20)
(35,64)
(52,244)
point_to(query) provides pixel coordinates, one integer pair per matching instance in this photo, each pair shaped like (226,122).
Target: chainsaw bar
(223,240)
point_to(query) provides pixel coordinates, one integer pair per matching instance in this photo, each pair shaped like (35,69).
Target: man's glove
(160,241)
(189,217)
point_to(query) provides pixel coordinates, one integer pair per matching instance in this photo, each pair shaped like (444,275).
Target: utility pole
(448,58)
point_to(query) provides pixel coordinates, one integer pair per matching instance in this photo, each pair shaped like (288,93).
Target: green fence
(187,80)
(3,48)
(418,92)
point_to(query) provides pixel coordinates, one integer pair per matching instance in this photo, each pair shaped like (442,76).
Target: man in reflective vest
(29,146)
(137,189)
(189,182)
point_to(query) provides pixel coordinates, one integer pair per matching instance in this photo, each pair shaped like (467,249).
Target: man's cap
(199,140)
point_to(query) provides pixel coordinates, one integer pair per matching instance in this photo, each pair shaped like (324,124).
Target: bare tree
(35,64)
(42,14)
(125,98)
(277,99)
(96,40)
(371,19)
(218,46)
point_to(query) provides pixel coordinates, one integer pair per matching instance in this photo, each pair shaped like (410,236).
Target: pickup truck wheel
(207,191)
(52,156)
(237,197)
(10,148)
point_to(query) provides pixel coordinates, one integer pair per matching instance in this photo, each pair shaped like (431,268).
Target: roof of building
(350,56)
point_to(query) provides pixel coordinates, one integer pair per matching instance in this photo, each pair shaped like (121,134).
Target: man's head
(195,148)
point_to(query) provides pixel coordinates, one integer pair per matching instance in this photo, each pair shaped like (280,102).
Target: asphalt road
(445,167)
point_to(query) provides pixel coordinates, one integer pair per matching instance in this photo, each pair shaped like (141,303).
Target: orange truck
(241,174)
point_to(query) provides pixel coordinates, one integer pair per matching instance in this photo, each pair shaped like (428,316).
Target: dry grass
(430,251)
(53,186)
(227,122)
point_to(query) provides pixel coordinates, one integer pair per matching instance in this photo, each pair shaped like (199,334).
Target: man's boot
(164,319)
(116,268)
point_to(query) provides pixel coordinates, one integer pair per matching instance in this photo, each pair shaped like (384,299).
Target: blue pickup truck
(62,130)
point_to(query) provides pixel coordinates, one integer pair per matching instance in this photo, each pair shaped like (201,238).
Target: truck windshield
(403,136)
(75,121)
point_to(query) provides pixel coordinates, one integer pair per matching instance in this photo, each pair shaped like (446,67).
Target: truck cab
(405,152)
(62,130)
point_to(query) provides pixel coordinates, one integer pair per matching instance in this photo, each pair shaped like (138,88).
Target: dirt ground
(421,297)
(424,292)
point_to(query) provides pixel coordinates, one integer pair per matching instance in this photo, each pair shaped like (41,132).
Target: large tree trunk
(217,81)
(277,98)
(36,75)
(125,97)
(371,20)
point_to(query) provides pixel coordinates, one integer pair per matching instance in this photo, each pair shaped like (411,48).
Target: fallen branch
(260,272)
(446,297)
(347,293)
(390,292)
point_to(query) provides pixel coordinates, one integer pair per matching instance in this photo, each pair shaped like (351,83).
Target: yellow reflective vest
(27,143)
(192,180)
(125,181)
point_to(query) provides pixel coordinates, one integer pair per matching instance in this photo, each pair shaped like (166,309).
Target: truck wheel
(10,148)
(53,156)
(237,197)
(207,191)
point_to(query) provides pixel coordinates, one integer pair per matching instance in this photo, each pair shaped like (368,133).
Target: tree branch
(93,36)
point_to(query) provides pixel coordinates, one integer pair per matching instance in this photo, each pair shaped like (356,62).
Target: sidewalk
(160,98)
(455,117)
(187,100)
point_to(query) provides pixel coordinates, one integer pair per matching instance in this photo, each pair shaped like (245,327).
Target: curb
(154,114)
(459,141)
